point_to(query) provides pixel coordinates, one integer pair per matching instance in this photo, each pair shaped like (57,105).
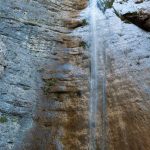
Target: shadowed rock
(138,14)
(141,19)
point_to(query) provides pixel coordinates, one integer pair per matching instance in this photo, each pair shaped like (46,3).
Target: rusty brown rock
(73,23)
(61,115)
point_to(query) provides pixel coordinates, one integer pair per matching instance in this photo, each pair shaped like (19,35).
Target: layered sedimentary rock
(44,76)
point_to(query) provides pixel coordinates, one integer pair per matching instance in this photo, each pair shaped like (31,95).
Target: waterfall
(97,48)
(94,73)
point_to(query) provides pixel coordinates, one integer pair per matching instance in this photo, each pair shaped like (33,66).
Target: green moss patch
(48,85)
(3,119)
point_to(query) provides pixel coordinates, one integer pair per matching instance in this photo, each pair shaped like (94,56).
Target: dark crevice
(140,19)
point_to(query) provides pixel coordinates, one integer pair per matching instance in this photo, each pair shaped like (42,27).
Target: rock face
(45,72)
(126,48)
(44,76)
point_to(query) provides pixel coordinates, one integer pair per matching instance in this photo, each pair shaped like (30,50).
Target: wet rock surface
(125,58)
(45,72)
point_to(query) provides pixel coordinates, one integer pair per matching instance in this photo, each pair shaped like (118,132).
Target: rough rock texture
(44,76)
(127,64)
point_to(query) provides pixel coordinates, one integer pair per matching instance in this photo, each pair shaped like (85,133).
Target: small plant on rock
(84,22)
(48,85)
(83,44)
(3,119)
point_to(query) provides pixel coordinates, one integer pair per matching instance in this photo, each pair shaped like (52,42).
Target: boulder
(136,12)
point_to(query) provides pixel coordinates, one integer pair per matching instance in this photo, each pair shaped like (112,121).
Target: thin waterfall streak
(104,121)
(104,101)
(94,79)
(94,96)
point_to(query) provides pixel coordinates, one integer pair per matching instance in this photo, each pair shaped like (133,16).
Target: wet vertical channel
(98,82)
(94,77)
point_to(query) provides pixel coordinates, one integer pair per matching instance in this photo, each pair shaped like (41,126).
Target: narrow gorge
(74,75)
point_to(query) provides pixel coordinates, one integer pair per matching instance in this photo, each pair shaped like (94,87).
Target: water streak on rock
(94,79)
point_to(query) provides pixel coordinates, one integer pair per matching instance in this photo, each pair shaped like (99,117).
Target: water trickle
(95,49)
(94,77)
